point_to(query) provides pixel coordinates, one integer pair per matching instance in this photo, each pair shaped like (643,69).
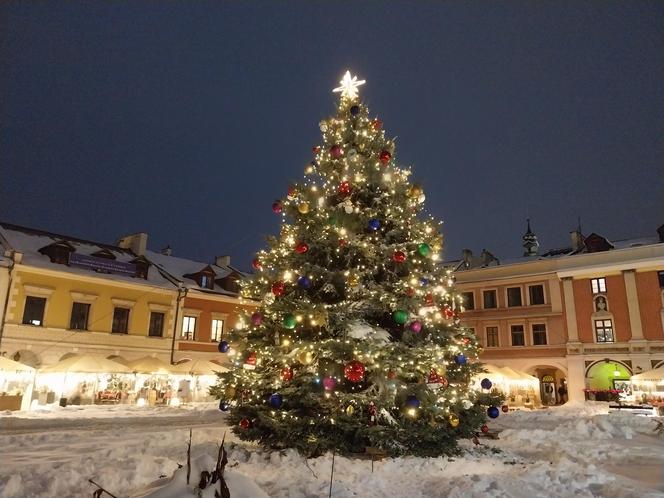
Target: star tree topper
(349,86)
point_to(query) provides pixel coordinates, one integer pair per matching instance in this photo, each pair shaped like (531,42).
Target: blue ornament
(493,412)
(412,401)
(424,281)
(460,359)
(374,224)
(224,405)
(304,282)
(224,347)
(276,400)
(355,110)
(486,384)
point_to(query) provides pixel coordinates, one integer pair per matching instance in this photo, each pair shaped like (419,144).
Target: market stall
(83,379)
(195,378)
(520,389)
(153,384)
(16,382)
(648,387)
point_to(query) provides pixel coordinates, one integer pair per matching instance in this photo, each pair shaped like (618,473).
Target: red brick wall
(650,305)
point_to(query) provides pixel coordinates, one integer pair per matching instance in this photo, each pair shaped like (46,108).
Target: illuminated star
(349,86)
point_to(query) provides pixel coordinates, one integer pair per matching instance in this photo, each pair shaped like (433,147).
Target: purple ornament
(416,326)
(486,384)
(329,383)
(336,152)
(256,319)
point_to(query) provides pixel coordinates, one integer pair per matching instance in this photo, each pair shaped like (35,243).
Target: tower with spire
(530,242)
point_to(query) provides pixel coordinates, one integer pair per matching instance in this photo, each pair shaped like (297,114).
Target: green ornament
(424,249)
(289,321)
(400,316)
(333,221)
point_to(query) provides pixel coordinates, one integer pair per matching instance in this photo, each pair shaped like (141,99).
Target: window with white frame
(539,334)
(514,296)
(33,313)
(217,330)
(536,294)
(604,330)
(598,285)
(188,328)
(518,336)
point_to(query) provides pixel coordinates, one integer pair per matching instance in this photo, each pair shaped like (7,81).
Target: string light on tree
(357,327)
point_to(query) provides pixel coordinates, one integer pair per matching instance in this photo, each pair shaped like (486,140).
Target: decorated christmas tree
(357,341)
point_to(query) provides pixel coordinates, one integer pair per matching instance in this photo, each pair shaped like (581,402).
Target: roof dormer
(204,278)
(58,252)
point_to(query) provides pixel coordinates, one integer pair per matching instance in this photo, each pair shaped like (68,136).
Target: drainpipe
(9,287)
(182,292)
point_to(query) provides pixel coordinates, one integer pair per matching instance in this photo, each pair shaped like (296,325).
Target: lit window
(514,296)
(188,328)
(598,285)
(217,330)
(604,330)
(536,294)
(518,337)
(492,337)
(539,334)
(80,313)
(33,314)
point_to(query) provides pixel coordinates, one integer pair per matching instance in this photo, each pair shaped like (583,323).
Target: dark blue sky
(186,120)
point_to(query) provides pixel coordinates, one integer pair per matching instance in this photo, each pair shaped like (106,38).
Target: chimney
(137,242)
(222,260)
(467,257)
(660,232)
(167,251)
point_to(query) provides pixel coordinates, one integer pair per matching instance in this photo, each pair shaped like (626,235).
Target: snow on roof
(29,241)
(179,267)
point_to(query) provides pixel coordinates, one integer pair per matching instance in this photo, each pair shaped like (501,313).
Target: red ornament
(251,359)
(342,242)
(433,377)
(377,124)
(448,313)
(354,371)
(384,157)
(245,423)
(505,408)
(277,207)
(428,299)
(399,256)
(292,192)
(466,340)
(336,152)
(286,374)
(278,288)
(344,189)
(316,149)
(301,247)
(391,374)
(410,292)
(485,428)
(256,264)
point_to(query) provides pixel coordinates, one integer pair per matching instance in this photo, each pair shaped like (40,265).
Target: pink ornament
(416,326)
(329,383)
(336,152)
(256,319)
(276,207)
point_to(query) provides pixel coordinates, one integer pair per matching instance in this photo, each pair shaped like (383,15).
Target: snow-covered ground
(579,451)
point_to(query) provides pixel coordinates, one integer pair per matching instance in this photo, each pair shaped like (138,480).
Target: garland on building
(357,341)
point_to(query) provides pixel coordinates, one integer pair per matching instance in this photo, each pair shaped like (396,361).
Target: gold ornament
(230,392)
(350,410)
(415,191)
(305,357)
(353,281)
(454,420)
(303,207)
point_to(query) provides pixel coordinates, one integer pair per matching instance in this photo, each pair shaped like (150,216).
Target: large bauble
(354,371)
